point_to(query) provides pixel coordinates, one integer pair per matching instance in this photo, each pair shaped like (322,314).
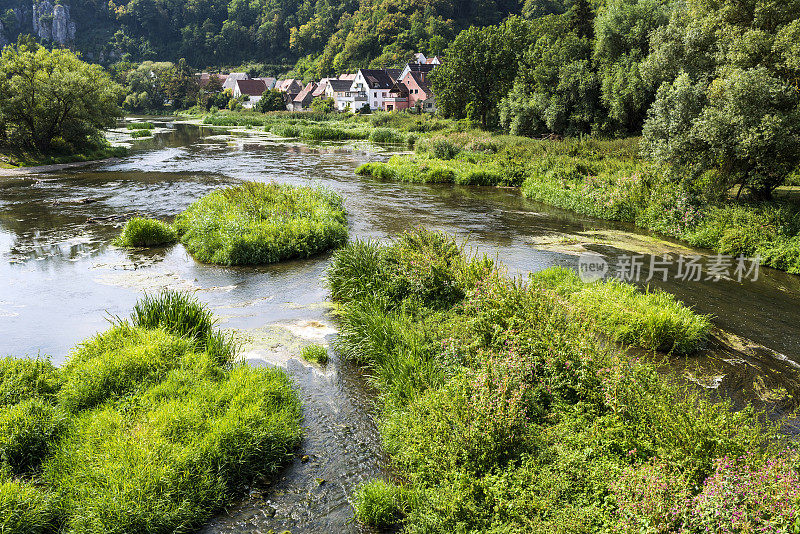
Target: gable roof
(377,78)
(306,94)
(340,86)
(289,85)
(346,76)
(232,78)
(320,90)
(270,81)
(251,87)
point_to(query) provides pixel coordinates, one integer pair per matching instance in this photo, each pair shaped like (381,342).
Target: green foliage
(22,379)
(183,315)
(141,232)
(480,67)
(504,414)
(256,223)
(161,434)
(25,508)
(652,320)
(139,126)
(315,354)
(379,503)
(271,100)
(745,125)
(52,102)
(141,133)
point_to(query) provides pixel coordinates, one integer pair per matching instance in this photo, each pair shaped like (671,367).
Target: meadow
(259,223)
(504,407)
(151,426)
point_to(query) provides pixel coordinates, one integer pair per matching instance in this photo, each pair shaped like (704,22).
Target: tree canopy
(51,100)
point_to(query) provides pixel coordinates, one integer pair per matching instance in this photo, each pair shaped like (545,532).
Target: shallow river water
(61,280)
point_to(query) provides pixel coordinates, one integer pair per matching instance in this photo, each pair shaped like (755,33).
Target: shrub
(257,223)
(141,133)
(379,503)
(444,149)
(315,354)
(140,232)
(506,414)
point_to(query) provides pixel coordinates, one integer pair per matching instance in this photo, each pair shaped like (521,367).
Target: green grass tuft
(315,354)
(139,126)
(652,319)
(379,503)
(258,223)
(141,232)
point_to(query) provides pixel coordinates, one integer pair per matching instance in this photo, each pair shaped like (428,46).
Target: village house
(253,89)
(372,86)
(420,95)
(397,98)
(339,91)
(232,78)
(303,100)
(270,82)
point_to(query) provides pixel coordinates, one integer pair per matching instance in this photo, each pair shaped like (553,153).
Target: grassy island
(141,232)
(259,223)
(506,409)
(151,426)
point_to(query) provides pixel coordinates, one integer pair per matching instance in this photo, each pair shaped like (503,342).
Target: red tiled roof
(251,87)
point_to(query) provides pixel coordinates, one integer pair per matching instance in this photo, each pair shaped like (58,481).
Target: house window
(384,94)
(375,94)
(374,104)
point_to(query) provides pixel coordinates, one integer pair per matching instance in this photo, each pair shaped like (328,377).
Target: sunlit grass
(259,223)
(141,232)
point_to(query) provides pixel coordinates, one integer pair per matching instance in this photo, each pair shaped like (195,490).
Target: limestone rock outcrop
(52,22)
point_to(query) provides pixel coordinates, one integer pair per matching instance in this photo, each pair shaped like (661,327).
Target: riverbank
(607,180)
(502,414)
(46,163)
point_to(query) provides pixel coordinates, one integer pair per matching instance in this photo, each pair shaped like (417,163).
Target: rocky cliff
(52,22)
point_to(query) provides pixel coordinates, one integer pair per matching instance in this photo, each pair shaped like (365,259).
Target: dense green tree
(745,126)
(622,40)
(728,97)
(556,89)
(52,100)
(182,86)
(145,85)
(271,100)
(480,68)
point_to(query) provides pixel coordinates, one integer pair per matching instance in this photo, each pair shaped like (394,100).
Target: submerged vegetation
(505,411)
(258,223)
(151,426)
(141,232)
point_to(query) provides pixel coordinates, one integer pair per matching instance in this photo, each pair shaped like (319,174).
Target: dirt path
(22,171)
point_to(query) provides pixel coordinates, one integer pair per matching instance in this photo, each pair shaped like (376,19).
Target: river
(62,281)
